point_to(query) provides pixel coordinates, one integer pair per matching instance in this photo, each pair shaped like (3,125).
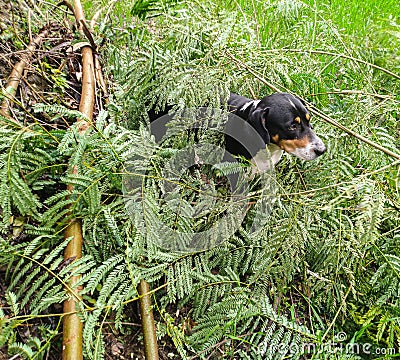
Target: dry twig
(17,72)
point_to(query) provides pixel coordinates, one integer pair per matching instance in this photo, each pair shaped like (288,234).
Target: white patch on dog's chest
(263,160)
(260,163)
(276,153)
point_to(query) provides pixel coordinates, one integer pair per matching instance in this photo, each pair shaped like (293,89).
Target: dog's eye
(292,127)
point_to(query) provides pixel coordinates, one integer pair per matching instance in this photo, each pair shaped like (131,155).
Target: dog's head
(287,121)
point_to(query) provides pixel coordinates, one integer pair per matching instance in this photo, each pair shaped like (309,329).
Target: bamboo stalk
(72,325)
(149,329)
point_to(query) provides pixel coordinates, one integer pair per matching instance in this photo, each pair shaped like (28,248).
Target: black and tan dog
(283,123)
(279,121)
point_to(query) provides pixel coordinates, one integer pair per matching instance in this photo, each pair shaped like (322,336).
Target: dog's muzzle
(311,151)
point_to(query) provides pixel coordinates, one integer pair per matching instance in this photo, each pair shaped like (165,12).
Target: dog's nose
(320,150)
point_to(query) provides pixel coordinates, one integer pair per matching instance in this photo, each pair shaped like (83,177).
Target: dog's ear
(258,120)
(264,119)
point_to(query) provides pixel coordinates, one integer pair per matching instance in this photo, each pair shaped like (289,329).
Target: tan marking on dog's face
(275,139)
(291,145)
(308,117)
(297,119)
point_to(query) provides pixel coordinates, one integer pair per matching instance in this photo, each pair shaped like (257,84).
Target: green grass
(358,19)
(361,19)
